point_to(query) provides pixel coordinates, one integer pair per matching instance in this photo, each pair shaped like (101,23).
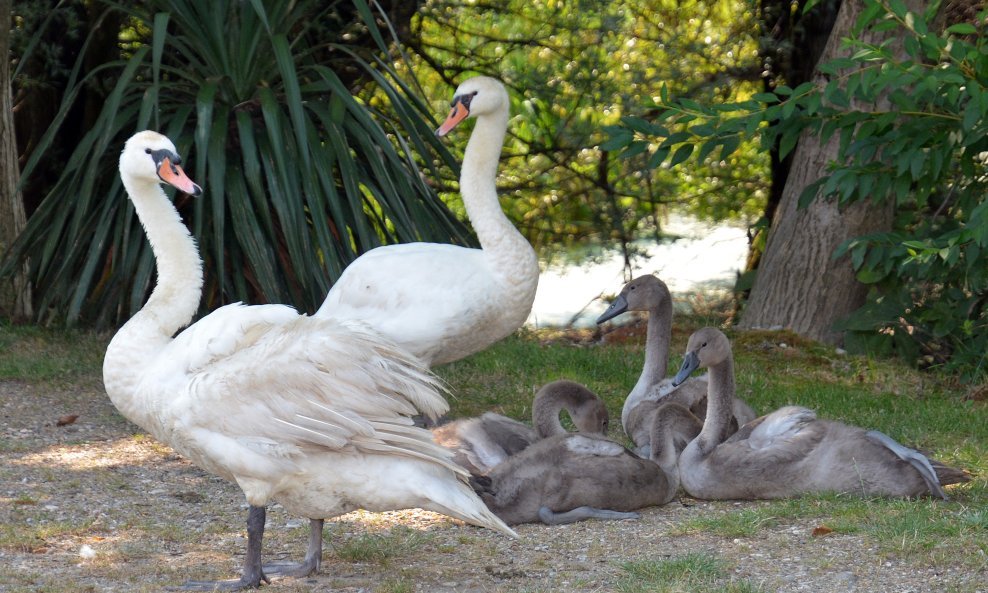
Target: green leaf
(972,115)
(674,139)
(706,148)
(765,98)
(788,142)
(870,276)
(634,149)
(639,125)
(658,157)
(868,15)
(682,153)
(962,29)
(728,146)
(898,8)
(810,192)
(618,141)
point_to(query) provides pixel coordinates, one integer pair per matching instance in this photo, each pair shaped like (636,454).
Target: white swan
(790,451)
(483,442)
(444,302)
(313,413)
(649,294)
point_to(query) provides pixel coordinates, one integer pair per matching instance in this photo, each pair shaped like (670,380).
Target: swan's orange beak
(173,175)
(458,113)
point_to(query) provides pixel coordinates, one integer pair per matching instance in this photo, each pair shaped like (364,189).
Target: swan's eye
(703,345)
(464,100)
(148,150)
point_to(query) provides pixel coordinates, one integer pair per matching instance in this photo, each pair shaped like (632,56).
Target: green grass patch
(380,548)
(744,523)
(918,409)
(29,353)
(26,531)
(934,529)
(695,572)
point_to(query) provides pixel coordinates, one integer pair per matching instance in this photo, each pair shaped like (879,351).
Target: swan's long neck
(671,422)
(658,334)
(545,417)
(172,304)
(511,256)
(720,396)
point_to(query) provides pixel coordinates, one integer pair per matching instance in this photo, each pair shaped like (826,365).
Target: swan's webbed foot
(313,556)
(291,569)
(252,575)
(580,513)
(244,582)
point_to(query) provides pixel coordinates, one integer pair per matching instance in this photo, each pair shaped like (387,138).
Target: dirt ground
(92,505)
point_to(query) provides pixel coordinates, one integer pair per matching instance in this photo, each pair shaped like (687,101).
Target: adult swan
(444,302)
(313,413)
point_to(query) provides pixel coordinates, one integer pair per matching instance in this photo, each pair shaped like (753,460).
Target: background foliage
(576,68)
(299,175)
(307,115)
(927,152)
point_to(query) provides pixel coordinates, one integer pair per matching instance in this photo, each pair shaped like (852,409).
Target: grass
(695,572)
(28,531)
(380,548)
(924,410)
(49,355)
(774,369)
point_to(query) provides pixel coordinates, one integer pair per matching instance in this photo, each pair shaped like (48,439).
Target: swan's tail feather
(388,448)
(913,458)
(464,504)
(950,475)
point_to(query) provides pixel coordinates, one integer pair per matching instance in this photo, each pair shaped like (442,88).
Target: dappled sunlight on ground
(85,456)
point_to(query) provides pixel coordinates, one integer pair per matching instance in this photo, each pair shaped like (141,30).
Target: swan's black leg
(313,556)
(253,575)
(580,513)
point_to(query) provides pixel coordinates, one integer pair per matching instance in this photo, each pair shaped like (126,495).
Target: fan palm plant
(299,175)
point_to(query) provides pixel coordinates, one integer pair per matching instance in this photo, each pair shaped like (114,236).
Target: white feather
(444,302)
(314,413)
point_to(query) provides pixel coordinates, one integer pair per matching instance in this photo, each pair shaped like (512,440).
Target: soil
(90,504)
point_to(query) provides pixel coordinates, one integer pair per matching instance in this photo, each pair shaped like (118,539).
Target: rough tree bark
(799,285)
(15,297)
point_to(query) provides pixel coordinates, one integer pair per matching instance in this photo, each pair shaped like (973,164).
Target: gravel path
(89,506)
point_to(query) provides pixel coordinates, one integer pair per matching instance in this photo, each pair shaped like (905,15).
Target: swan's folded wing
(913,457)
(304,382)
(384,288)
(786,435)
(227,330)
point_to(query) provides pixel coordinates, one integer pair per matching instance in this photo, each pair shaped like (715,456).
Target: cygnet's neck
(720,395)
(657,338)
(658,334)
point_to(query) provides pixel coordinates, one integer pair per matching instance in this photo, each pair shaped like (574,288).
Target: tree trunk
(15,298)
(799,285)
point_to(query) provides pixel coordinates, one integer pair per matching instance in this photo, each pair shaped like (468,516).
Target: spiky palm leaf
(299,176)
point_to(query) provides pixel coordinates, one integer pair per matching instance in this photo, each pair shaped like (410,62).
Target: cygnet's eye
(703,345)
